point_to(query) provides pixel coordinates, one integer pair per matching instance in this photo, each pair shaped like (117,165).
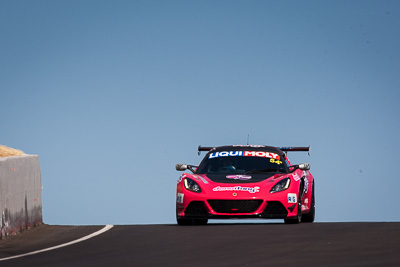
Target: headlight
(281,185)
(192,185)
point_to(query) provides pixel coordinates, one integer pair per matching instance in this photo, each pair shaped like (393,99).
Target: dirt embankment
(10,152)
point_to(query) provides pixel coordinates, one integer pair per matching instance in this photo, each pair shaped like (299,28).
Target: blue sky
(111,94)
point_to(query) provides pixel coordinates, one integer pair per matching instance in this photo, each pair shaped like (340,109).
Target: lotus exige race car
(245,181)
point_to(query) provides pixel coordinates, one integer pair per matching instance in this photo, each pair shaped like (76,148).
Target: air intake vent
(235,206)
(196,208)
(275,209)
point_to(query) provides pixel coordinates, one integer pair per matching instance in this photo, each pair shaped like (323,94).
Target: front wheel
(191,221)
(309,217)
(200,221)
(183,221)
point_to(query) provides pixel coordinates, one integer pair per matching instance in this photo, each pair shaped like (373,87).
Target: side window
(287,162)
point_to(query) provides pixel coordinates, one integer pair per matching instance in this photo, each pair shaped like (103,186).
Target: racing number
(275,161)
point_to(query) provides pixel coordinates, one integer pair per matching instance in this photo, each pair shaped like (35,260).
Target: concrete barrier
(20,194)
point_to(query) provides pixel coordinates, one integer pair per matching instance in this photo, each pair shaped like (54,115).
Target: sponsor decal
(306,200)
(239,177)
(226,154)
(180,179)
(306,176)
(204,180)
(305,185)
(261,154)
(234,194)
(237,188)
(304,207)
(296,177)
(292,198)
(275,161)
(179,197)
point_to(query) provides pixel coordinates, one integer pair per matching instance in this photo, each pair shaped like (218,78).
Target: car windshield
(242,162)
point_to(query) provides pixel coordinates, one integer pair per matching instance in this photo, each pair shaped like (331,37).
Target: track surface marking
(221,245)
(105,229)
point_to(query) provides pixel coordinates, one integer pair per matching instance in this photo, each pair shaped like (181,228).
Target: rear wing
(205,148)
(296,148)
(285,149)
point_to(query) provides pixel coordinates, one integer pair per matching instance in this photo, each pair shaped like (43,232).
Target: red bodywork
(223,200)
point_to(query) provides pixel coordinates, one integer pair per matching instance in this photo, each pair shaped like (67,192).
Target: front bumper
(228,209)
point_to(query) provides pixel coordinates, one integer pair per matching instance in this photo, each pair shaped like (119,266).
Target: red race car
(245,181)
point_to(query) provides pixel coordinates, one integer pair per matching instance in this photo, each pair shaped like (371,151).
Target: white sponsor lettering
(235,153)
(292,198)
(179,198)
(239,177)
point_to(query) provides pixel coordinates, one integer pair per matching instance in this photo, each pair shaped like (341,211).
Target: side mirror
(181,167)
(304,166)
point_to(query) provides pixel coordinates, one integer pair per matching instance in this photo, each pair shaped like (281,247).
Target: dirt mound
(9,152)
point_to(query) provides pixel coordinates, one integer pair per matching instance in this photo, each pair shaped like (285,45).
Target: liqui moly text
(261,154)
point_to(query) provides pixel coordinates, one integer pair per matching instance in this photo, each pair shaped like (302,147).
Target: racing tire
(191,221)
(297,219)
(184,221)
(200,221)
(309,217)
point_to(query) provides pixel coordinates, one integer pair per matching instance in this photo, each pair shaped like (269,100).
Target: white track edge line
(104,229)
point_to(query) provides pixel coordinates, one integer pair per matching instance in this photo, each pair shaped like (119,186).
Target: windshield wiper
(264,170)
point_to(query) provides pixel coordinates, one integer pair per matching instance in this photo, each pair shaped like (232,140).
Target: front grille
(196,208)
(275,209)
(235,206)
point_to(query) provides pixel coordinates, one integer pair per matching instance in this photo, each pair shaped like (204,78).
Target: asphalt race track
(245,244)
